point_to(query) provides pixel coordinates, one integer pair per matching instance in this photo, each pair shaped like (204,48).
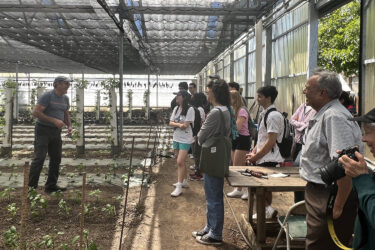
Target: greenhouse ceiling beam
(191,11)
(326,6)
(161,40)
(44,8)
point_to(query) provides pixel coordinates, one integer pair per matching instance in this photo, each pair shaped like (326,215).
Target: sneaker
(270,213)
(235,193)
(206,240)
(184,184)
(192,167)
(54,189)
(177,191)
(195,177)
(245,195)
(191,156)
(199,234)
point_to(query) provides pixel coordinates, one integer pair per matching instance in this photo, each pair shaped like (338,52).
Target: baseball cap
(61,79)
(214,77)
(369,117)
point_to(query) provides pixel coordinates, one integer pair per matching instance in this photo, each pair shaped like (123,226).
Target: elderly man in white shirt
(329,130)
(271,128)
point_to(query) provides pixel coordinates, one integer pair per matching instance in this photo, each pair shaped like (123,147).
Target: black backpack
(285,146)
(197,121)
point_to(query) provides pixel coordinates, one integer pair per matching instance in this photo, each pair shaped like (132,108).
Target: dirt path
(167,222)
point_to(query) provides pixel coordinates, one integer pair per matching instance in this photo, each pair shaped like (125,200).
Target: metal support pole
(28,88)
(121,72)
(80,97)
(267,73)
(232,56)
(258,53)
(148,96)
(312,38)
(247,70)
(15,106)
(157,90)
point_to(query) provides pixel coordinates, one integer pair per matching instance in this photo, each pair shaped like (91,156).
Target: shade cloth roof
(74,36)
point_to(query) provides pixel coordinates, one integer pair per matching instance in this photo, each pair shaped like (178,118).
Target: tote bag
(215,155)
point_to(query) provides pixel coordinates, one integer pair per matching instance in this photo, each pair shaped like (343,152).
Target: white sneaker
(192,167)
(191,156)
(184,184)
(235,193)
(177,191)
(270,213)
(245,195)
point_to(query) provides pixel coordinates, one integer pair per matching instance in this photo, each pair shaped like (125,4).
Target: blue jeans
(213,188)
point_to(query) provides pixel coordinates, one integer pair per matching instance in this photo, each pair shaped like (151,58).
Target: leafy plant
(37,202)
(6,193)
(109,209)
(58,194)
(95,193)
(12,238)
(90,245)
(63,207)
(49,240)
(80,83)
(12,209)
(10,84)
(118,198)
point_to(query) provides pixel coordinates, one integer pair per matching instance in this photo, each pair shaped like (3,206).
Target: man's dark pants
(318,237)
(47,140)
(197,156)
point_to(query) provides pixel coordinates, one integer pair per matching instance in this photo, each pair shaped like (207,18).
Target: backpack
(251,126)
(197,121)
(285,146)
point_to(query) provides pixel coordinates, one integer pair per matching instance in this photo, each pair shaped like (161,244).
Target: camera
(334,171)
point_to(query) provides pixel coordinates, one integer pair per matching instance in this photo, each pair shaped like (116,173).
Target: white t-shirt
(202,113)
(275,124)
(183,135)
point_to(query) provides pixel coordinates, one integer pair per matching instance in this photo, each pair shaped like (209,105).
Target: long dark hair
(185,104)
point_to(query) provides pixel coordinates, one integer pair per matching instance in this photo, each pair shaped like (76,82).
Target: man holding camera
(364,184)
(328,130)
(52,111)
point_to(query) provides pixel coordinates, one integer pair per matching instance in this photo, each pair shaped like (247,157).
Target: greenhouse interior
(124,63)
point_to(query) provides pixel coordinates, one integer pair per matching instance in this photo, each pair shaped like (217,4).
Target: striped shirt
(329,130)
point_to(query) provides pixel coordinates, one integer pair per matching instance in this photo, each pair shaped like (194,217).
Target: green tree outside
(339,34)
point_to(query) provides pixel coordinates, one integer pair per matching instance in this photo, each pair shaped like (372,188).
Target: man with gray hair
(52,111)
(328,130)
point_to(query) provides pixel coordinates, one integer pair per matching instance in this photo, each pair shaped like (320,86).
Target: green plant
(90,245)
(109,209)
(10,84)
(67,246)
(37,202)
(12,238)
(113,167)
(118,198)
(63,207)
(6,193)
(49,240)
(146,98)
(12,209)
(58,194)
(80,83)
(95,193)
(80,167)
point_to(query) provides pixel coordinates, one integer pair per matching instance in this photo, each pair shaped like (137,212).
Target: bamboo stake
(82,219)
(24,205)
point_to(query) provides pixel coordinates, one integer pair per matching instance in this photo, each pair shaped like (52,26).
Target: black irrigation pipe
(127,192)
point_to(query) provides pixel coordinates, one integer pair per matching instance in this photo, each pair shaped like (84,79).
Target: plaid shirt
(329,130)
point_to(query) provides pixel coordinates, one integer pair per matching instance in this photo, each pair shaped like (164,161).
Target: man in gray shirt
(329,130)
(52,111)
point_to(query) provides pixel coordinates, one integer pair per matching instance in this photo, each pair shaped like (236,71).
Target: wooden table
(259,186)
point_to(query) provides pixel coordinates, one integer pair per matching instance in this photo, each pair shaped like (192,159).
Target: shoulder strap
(266,116)
(222,127)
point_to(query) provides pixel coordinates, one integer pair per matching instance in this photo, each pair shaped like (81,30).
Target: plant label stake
(24,209)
